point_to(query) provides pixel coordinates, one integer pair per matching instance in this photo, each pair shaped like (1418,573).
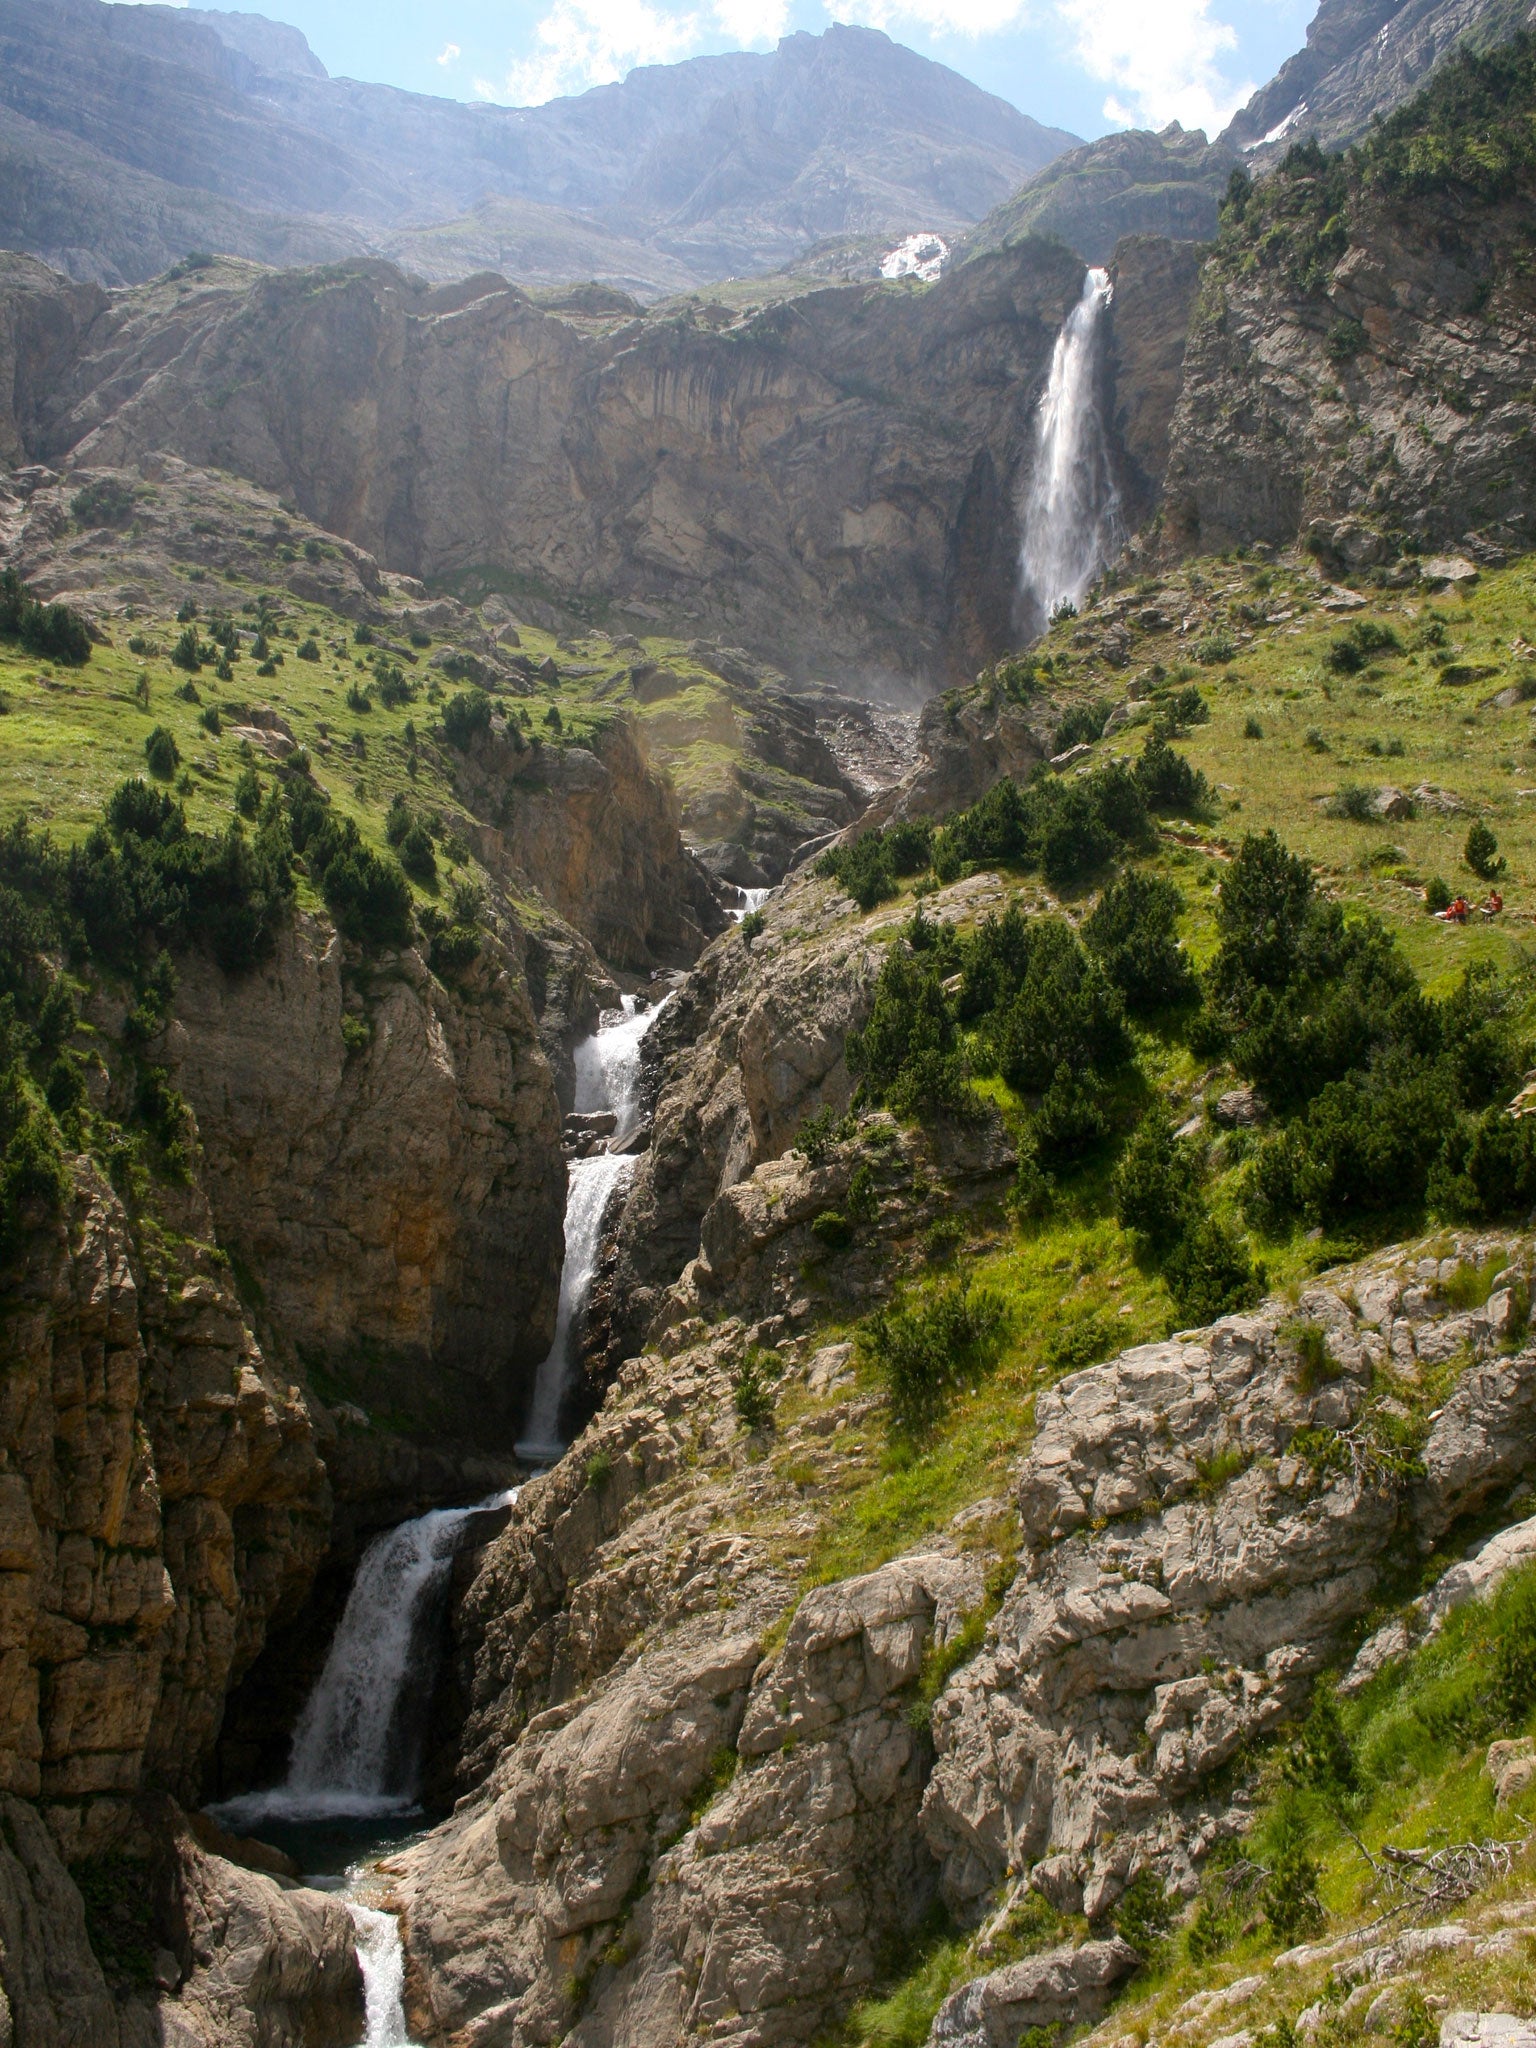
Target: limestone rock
(1062,1987)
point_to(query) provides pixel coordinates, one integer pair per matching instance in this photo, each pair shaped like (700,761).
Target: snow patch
(922,256)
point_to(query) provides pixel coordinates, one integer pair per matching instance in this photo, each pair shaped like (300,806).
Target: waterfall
(592,1183)
(382,1958)
(607,1078)
(751,899)
(1071,510)
(355,1751)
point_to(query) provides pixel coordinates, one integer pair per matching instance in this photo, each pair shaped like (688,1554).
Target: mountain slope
(1362,59)
(721,164)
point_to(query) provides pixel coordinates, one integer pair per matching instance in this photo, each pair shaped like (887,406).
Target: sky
(1086,65)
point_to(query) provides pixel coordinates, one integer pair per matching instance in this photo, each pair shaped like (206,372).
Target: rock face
(163,1500)
(240,1962)
(199,131)
(406,1198)
(831,483)
(1362,59)
(1164,1618)
(1183,1572)
(749,1047)
(1393,401)
(570,1893)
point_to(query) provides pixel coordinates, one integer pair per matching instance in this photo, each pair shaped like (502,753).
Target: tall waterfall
(1071,511)
(607,1078)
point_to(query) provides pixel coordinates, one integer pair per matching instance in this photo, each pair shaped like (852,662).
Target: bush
(1481,852)
(1349,652)
(1071,1117)
(1066,1012)
(1082,723)
(1133,932)
(416,855)
(819,1133)
(752,1390)
(188,652)
(466,715)
(1168,783)
(862,870)
(1322,1756)
(1145,1913)
(1290,1897)
(1266,895)
(832,1229)
(1437,896)
(752,926)
(1352,800)
(308,649)
(162,753)
(368,896)
(1209,1273)
(928,1349)
(907,1054)
(105,501)
(52,632)
(1157,1184)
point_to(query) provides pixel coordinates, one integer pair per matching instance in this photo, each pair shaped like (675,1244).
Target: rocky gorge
(1031,1506)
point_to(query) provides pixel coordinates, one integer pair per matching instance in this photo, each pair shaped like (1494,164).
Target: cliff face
(831,482)
(399,1205)
(163,1500)
(1391,399)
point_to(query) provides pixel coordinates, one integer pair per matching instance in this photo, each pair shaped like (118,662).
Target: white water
(1071,512)
(751,899)
(383,1963)
(607,1077)
(351,1759)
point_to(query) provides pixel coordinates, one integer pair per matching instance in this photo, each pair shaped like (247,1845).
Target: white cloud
(1161,59)
(1162,62)
(582,43)
(451,53)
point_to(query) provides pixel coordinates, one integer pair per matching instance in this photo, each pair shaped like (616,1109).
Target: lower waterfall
(1071,510)
(357,1749)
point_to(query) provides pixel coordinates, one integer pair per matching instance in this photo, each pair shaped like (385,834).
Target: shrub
(909,846)
(752,1391)
(907,1055)
(162,754)
(1266,895)
(1352,800)
(1082,723)
(248,793)
(416,855)
(188,651)
(1133,932)
(861,870)
(211,721)
(752,926)
(105,501)
(927,1349)
(1209,1273)
(1216,648)
(1252,730)
(1156,1186)
(819,1133)
(368,896)
(1289,1892)
(1145,1913)
(1167,781)
(1066,1012)
(1071,1117)
(1481,852)
(1513,1685)
(1322,1756)
(308,649)
(52,632)
(832,1229)
(466,715)
(1437,896)
(1345,340)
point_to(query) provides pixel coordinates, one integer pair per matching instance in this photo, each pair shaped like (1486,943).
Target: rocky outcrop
(1188,1562)
(1392,402)
(598,832)
(1133,183)
(830,483)
(205,1954)
(401,1203)
(1187,1576)
(751,1045)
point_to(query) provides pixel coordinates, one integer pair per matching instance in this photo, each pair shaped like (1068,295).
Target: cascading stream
(751,899)
(356,1752)
(607,1078)
(1071,511)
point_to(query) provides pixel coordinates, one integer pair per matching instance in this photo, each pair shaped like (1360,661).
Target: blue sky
(1087,65)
